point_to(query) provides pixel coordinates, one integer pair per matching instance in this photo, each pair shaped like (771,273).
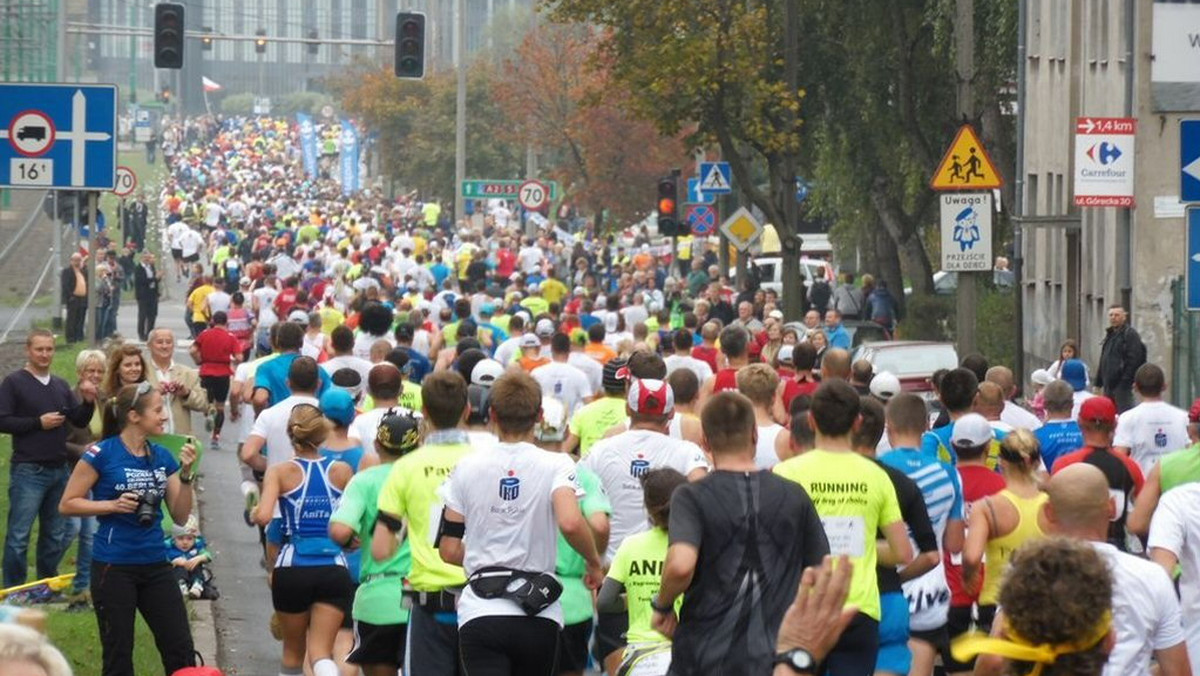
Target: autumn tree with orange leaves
(559,95)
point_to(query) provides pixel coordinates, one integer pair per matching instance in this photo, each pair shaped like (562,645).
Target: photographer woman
(129,478)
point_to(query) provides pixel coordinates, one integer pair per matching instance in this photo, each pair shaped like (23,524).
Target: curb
(200,613)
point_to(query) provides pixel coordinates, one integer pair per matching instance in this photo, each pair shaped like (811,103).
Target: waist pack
(533,592)
(316,546)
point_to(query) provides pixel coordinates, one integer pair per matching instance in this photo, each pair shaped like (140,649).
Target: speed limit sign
(126,182)
(533,195)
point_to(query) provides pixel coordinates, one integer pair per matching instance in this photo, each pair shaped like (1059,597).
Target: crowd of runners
(507,445)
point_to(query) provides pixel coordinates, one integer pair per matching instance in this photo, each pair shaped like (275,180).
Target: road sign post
(1189,160)
(1192,267)
(57,136)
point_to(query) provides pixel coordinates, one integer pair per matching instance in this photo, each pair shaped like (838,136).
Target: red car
(912,361)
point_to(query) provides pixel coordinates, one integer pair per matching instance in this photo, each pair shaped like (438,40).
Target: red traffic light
(666,205)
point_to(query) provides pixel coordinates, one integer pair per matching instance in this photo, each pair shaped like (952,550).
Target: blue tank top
(350,456)
(305,512)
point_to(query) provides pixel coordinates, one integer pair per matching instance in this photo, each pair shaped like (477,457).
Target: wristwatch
(798,660)
(665,609)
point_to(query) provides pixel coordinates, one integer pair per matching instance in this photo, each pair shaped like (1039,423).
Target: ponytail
(115,414)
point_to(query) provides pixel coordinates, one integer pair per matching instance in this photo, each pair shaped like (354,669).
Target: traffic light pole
(460,110)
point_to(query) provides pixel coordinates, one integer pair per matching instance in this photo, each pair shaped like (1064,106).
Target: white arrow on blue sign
(1189,161)
(1192,277)
(696,195)
(58,136)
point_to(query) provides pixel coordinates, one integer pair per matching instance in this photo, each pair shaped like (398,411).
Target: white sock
(291,671)
(325,667)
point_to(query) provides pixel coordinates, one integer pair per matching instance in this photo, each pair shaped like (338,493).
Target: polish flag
(209,85)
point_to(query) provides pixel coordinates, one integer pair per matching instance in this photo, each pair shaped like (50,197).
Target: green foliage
(238,104)
(934,318)
(415,120)
(927,318)
(300,102)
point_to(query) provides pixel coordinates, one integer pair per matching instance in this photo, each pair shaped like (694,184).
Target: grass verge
(74,633)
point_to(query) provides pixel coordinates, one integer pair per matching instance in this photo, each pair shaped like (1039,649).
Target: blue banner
(308,144)
(349,157)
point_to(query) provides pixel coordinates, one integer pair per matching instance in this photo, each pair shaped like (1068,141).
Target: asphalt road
(245,645)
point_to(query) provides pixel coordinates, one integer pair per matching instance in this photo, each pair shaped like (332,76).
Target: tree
(415,122)
(561,98)
(721,66)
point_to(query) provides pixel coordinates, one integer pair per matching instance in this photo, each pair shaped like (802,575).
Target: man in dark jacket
(1121,353)
(146,278)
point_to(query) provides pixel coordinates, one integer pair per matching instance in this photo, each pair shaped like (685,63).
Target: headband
(1018,648)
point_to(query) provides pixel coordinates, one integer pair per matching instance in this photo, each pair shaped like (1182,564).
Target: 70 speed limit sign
(126,182)
(533,195)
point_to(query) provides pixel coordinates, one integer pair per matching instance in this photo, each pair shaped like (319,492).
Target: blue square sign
(58,136)
(1189,161)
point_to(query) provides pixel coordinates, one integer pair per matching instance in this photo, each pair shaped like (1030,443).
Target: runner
(218,352)
(1153,428)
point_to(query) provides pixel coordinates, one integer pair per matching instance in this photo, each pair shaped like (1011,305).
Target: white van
(771,270)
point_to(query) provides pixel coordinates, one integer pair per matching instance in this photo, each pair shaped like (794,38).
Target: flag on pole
(209,85)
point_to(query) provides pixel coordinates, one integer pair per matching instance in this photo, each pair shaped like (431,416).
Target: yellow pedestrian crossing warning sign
(966,165)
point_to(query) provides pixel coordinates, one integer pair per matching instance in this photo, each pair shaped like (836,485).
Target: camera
(147,507)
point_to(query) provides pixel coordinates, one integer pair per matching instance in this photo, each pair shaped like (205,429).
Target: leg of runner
(325,622)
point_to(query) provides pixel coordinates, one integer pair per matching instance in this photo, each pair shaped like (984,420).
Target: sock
(325,667)
(290,671)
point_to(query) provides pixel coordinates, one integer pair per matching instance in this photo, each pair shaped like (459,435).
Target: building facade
(1077,66)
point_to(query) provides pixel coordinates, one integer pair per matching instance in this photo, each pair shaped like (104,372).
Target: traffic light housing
(260,42)
(168,35)
(668,208)
(313,47)
(206,42)
(410,45)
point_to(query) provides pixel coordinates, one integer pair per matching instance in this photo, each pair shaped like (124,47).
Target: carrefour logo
(1104,153)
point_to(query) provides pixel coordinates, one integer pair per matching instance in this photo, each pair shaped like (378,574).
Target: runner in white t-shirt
(562,381)
(504,508)
(682,343)
(1153,428)
(620,461)
(1146,616)
(1175,541)
(385,384)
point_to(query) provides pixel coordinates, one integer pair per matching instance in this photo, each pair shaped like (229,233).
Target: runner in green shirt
(636,569)
(380,618)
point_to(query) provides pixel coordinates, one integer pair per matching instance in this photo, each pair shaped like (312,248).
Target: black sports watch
(798,660)
(659,608)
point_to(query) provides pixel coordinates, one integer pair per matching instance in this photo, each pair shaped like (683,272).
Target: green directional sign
(482,189)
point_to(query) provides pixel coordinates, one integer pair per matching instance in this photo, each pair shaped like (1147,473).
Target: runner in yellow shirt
(856,500)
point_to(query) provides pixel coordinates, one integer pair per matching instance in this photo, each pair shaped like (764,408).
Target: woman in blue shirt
(129,478)
(310,585)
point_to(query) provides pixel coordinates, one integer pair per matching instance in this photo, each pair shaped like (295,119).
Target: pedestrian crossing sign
(715,178)
(966,165)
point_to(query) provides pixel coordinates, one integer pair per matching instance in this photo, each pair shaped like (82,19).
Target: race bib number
(846,534)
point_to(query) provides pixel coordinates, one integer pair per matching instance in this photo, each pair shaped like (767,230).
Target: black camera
(147,507)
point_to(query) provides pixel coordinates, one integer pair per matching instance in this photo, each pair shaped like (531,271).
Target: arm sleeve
(1167,530)
(351,508)
(686,523)
(10,422)
(1168,626)
(916,515)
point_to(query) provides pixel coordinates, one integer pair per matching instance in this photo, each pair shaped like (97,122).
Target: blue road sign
(716,178)
(1189,161)
(701,218)
(58,136)
(1193,262)
(696,195)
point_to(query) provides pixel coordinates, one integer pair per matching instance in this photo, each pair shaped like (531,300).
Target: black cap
(399,431)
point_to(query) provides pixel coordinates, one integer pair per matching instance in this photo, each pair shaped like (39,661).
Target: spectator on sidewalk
(74,297)
(35,406)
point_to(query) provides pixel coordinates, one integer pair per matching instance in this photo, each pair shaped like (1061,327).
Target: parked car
(912,361)
(770,269)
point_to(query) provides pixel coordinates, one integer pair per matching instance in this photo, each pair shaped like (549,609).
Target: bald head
(1079,501)
(1002,376)
(835,364)
(989,401)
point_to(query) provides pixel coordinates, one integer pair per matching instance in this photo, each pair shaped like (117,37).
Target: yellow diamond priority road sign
(742,229)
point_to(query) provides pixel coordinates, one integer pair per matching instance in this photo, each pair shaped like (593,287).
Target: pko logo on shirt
(510,487)
(638,467)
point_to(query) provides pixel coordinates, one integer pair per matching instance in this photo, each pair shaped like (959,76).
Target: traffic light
(668,208)
(260,42)
(313,47)
(410,45)
(206,42)
(168,35)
